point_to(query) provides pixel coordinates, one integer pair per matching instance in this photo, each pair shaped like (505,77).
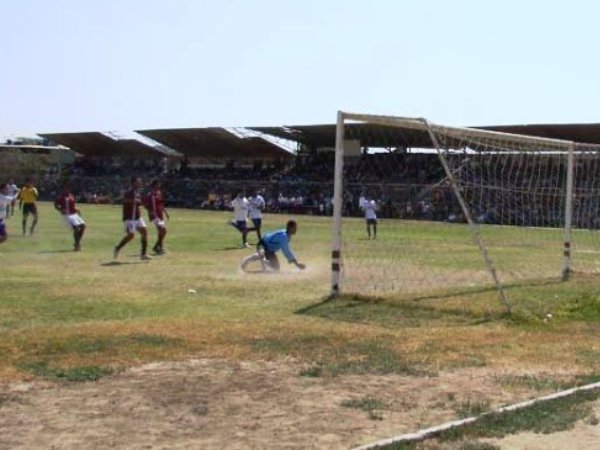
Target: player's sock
(118,248)
(78,236)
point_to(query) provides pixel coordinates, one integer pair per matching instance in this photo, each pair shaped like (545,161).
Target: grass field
(78,316)
(64,308)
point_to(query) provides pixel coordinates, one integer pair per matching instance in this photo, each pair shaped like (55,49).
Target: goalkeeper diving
(270,244)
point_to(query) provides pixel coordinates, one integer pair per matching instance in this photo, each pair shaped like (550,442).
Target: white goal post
(518,197)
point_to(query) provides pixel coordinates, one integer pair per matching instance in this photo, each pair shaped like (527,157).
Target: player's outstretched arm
(299,265)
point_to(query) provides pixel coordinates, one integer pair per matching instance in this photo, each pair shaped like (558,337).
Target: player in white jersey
(240,207)
(13,190)
(256,205)
(361,200)
(370,208)
(5,201)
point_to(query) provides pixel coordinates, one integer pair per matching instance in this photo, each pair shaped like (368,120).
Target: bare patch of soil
(215,404)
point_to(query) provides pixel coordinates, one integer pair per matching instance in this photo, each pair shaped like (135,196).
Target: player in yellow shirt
(27,198)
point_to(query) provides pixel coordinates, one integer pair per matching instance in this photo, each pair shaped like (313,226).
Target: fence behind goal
(459,208)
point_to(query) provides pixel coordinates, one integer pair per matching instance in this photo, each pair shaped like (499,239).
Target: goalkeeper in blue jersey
(270,244)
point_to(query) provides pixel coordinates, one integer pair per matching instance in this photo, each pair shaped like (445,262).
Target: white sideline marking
(429,432)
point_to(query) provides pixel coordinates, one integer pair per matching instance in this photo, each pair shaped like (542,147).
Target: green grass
(467,445)
(78,373)
(546,417)
(63,309)
(354,357)
(83,345)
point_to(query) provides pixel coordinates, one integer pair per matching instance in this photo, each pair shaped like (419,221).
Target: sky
(109,65)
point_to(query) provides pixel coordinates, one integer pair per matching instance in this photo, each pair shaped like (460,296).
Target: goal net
(458,208)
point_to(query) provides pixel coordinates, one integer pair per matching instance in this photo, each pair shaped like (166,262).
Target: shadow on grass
(356,309)
(486,289)
(224,249)
(268,273)
(439,295)
(122,263)
(415,311)
(46,252)
(308,309)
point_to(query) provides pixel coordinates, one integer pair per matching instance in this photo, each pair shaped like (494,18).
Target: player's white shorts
(159,222)
(131,226)
(73,220)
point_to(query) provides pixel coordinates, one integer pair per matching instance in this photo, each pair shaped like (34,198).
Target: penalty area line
(427,433)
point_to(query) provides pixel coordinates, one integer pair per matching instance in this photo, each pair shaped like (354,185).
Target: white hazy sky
(73,65)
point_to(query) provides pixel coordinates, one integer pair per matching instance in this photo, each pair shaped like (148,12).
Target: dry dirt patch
(215,404)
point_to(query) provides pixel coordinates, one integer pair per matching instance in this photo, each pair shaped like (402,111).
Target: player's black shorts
(29,208)
(241,225)
(371,221)
(269,255)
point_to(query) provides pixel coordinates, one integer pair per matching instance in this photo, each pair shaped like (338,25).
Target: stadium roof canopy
(102,145)
(370,135)
(385,136)
(217,143)
(29,148)
(579,132)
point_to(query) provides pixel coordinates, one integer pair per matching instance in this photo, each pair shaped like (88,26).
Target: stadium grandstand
(204,163)
(19,159)
(292,165)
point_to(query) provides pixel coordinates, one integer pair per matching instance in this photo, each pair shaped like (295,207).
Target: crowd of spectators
(405,185)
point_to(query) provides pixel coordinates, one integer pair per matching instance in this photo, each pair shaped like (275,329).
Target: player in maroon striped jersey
(65,204)
(157,214)
(132,200)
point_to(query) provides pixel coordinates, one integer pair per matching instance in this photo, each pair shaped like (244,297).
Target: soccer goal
(459,208)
